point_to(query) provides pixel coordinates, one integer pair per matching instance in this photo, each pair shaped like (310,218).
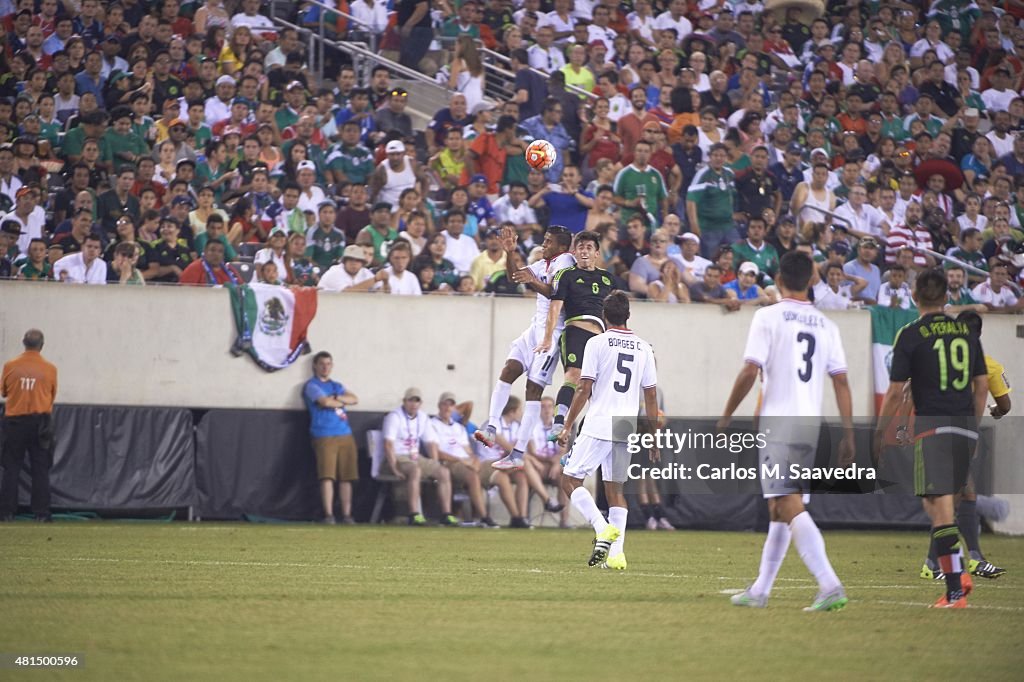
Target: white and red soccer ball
(541,155)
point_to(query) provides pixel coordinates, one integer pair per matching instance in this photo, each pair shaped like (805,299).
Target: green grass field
(294,602)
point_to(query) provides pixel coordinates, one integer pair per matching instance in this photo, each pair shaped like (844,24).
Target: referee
(29,384)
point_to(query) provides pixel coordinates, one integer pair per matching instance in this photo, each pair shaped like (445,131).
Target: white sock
(499,398)
(775,547)
(811,547)
(584,503)
(617,517)
(531,413)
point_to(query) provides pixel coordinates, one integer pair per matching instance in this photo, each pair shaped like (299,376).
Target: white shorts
(791,440)
(540,368)
(588,453)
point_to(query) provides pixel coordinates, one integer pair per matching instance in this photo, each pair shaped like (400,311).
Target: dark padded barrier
(239,464)
(260,463)
(120,458)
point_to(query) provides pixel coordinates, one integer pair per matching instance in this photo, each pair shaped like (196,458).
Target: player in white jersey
(539,367)
(617,366)
(793,345)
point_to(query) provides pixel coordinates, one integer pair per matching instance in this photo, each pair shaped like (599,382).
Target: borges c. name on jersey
(621,365)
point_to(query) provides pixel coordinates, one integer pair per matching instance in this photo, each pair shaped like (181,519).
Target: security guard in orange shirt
(29,384)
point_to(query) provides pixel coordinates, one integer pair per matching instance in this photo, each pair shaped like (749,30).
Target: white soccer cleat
(510,462)
(748,599)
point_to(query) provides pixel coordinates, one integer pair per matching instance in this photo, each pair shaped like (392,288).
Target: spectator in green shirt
(214,171)
(710,202)
(969,252)
(640,188)
(325,243)
(464,24)
(380,232)
(215,230)
(123,145)
(91,125)
(754,249)
(958,296)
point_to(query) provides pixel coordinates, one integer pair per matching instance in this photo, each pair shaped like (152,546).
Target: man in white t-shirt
(864,220)
(994,293)
(999,96)
(674,18)
(457,456)
(29,214)
(460,249)
(792,347)
(405,430)
(512,208)
(351,273)
(618,367)
(400,280)
(250,16)
(84,267)
(544,56)
(310,196)
(835,291)
(694,262)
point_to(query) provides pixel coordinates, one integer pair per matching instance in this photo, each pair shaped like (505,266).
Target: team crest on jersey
(604,280)
(572,357)
(273,319)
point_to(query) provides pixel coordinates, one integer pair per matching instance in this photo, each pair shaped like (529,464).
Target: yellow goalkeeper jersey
(998,384)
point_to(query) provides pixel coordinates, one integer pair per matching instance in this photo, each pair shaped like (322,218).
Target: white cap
(225,79)
(971,113)
(749,266)
(690,237)
(819,150)
(306,165)
(395,147)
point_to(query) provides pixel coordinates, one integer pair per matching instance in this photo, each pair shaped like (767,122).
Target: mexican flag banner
(272,322)
(885,323)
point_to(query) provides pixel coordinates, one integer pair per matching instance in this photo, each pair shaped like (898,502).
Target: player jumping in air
(943,361)
(579,291)
(967,507)
(793,346)
(617,364)
(539,368)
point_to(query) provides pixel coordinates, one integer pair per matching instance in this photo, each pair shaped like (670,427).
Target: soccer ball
(541,155)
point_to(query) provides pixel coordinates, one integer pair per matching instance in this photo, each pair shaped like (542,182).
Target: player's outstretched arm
(549,328)
(744,382)
(844,400)
(579,399)
(651,423)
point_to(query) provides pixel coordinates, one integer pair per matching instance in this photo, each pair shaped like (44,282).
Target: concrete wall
(170,346)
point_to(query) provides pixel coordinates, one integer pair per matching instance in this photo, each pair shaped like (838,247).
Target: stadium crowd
(176,142)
